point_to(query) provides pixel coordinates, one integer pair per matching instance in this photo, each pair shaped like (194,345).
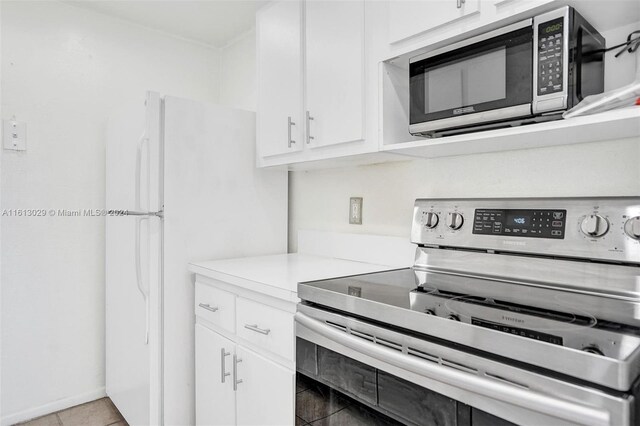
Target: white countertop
(279,275)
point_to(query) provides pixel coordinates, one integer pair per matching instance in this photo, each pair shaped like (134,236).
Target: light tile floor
(100,412)
(316,405)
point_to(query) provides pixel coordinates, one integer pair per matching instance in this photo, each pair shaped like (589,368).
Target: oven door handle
(510,394)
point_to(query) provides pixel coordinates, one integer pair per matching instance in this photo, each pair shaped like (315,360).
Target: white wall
(238,73)
(0,220)
(63,70)
(319,200)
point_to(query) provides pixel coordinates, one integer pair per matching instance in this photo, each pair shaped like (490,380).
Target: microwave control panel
(520,223)
(550,67)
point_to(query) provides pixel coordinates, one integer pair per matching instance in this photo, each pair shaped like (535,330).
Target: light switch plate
(14,135)
(355,210)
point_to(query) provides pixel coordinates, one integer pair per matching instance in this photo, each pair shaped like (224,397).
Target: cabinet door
(412,17)
(215,399)
(334,58)
(266,395)
(279,64)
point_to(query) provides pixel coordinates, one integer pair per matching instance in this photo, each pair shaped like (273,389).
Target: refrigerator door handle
(141,289)
(143,139)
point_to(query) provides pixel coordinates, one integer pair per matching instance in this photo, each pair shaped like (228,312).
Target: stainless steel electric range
(525,309)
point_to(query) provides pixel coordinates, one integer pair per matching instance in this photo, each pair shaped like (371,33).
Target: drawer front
(216,306)
(267,327)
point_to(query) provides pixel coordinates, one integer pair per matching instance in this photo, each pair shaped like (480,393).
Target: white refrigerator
(182,186)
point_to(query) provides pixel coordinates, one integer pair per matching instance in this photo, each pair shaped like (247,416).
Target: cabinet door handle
(236,382)
(254,327)
(290,123)
(208,307)
(309,119)
(459,3)
(223,372)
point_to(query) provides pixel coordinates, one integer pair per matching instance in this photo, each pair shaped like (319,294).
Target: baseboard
(52,407)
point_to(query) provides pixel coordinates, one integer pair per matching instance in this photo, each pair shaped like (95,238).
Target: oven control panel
(523,223)
(605,229)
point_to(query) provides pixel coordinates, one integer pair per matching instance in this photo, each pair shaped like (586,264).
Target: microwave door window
(475,80)
(486,77)
(489,75)
(443,88)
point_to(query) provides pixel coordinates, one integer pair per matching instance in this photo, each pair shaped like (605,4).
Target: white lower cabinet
(215,399)
(264,396)
(245,371)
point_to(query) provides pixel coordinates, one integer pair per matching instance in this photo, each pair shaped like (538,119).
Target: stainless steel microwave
(523,73)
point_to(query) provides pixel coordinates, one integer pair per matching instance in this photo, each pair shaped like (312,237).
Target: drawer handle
(254,327)
(208,307)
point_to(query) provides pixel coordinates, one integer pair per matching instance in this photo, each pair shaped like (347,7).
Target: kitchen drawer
(216,306)
(266,327)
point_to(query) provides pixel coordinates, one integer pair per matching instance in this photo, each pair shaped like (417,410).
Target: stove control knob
(632,227)
(593,349)
(454,220)
(453,317)
(594,225)
(431,220)
(429,312)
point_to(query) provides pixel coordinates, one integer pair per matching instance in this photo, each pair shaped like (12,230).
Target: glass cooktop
(551,315)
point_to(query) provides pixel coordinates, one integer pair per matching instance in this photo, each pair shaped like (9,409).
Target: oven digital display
(522,332)
(518,220)
(520,223)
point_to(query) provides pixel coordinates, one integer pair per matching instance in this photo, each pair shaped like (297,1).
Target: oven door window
(492,74)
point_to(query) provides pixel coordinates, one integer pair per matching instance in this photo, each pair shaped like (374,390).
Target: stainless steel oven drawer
(306,357)
(348,375)
(414,403)
(519,395)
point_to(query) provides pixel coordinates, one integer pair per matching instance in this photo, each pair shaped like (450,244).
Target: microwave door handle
(531,400)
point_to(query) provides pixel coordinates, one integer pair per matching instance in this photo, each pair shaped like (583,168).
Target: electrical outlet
(14,135)
(355,210)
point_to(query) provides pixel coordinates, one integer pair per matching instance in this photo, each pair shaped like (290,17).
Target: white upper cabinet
(408,18)
(334,65)
(320,76)
(279,62)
